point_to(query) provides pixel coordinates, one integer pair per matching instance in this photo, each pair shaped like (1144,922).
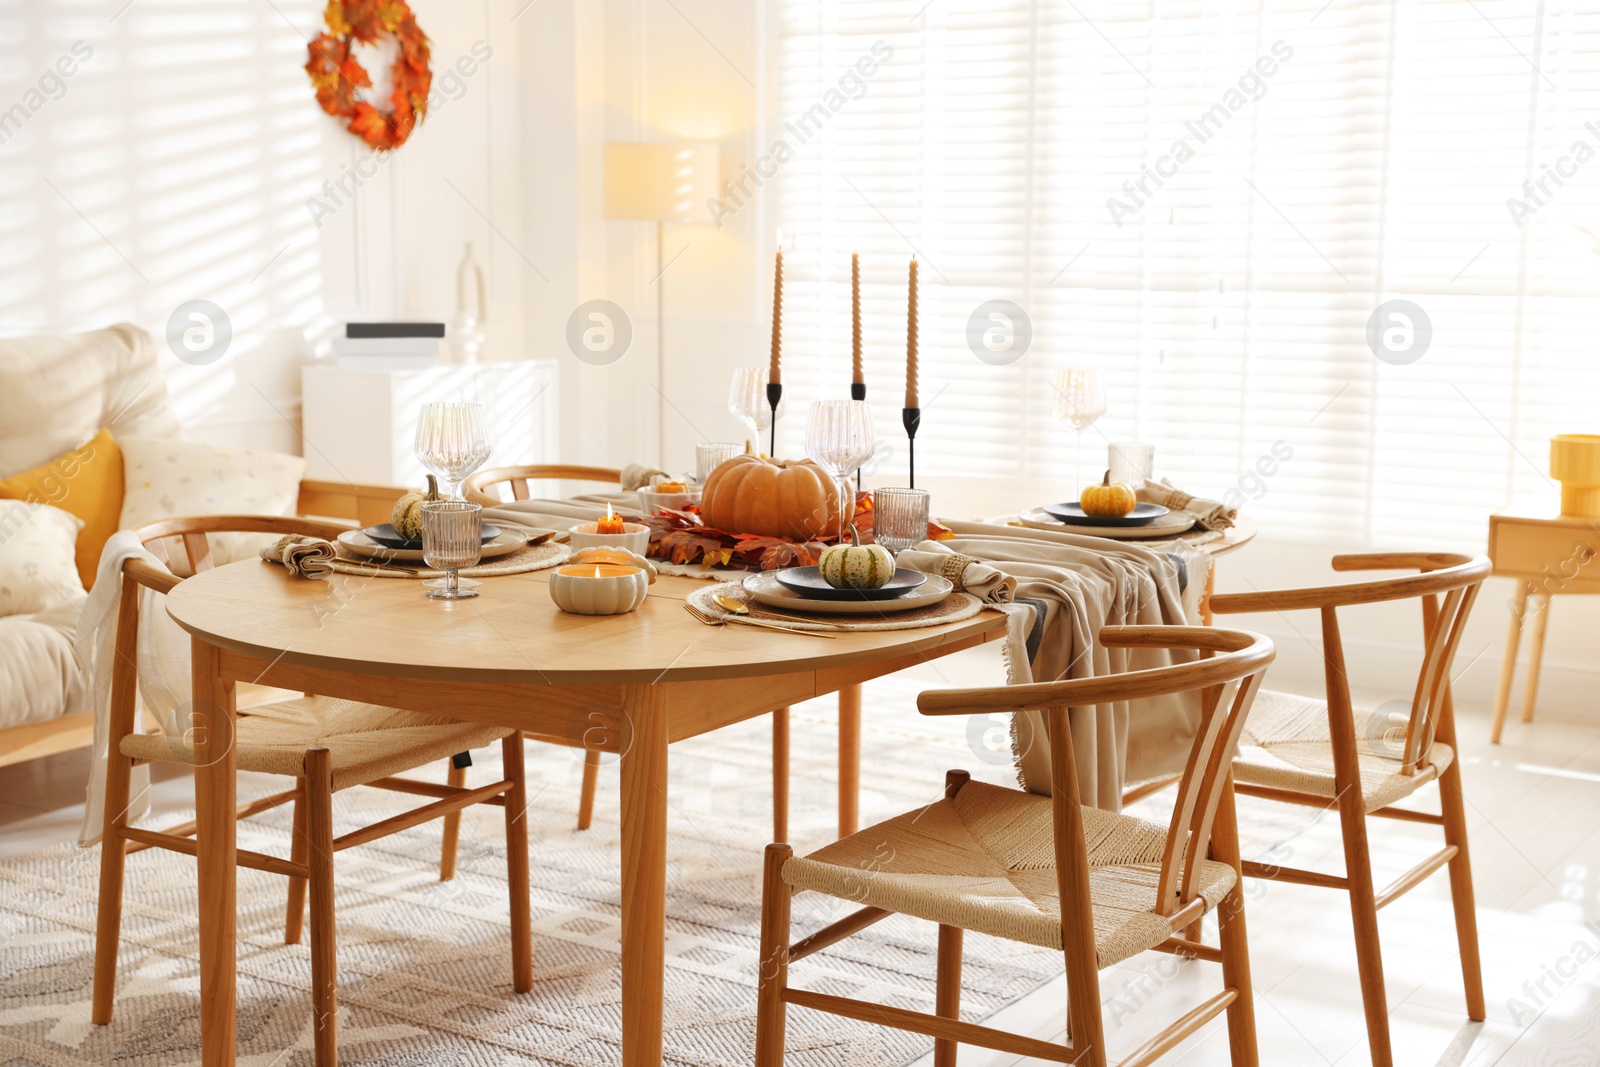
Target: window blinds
(1208,201)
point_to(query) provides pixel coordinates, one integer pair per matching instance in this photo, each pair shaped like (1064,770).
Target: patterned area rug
(424,966)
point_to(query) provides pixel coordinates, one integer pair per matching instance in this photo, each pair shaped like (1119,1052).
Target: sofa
(59,393)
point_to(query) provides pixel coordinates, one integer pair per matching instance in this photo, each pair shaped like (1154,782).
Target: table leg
(644,873)
(780,775)
(1206,618)
(1508,668)
(1541,619)
(215,794)
(849,759)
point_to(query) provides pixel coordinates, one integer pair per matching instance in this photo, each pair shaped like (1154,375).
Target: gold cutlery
(712,620)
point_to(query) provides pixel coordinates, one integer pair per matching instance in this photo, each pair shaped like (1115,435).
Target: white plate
(765,589)
(1181,522)
(359,544)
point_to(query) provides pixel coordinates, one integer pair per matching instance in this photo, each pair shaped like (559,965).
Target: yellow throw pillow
(86,482)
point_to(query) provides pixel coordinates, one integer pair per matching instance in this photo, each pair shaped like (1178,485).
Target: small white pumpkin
(855,565)
(406,518)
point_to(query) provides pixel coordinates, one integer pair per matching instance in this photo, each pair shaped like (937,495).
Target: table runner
(1086,583)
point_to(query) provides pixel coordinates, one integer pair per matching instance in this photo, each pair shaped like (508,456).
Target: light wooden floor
(1535,809)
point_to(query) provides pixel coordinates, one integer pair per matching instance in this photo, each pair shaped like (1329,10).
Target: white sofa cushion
(164,478)
(39,678)
(57,390)
(37,566)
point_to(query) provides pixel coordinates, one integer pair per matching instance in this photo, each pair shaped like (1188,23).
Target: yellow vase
(1575,463)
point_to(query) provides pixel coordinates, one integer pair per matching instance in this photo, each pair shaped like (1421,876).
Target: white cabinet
(359,425)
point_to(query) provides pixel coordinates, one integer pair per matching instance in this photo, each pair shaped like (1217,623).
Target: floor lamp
(661,183)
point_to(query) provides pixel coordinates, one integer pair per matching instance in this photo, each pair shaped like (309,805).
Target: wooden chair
(324,744)
(1318,753)
(1021,866)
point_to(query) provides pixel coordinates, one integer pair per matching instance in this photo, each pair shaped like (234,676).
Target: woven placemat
(533,558)
(953,608)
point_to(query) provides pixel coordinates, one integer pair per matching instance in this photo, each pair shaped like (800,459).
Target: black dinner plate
(809,583)
(1141,515)
(387,536)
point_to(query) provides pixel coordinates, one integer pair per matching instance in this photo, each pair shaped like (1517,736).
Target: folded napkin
(638,475)
(307,557)
(969,575)
(1212,514)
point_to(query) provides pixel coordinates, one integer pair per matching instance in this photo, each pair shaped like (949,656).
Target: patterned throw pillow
(37,569)
(86,482)
(164,479)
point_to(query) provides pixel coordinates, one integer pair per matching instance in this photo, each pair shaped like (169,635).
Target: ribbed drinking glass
(452,538)
(899,518)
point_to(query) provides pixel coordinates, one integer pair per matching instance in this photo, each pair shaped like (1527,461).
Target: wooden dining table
(629,685)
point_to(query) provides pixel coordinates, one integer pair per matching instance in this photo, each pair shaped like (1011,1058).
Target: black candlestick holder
(912,417)
(774,394)
(858,391)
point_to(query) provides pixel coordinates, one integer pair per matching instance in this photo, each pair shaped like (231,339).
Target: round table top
(511,632)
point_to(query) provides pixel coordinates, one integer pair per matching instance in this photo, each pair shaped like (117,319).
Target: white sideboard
(359,425)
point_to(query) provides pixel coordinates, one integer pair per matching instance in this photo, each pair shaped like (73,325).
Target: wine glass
(452,442)
(452,538)
(1080,398)
(839,439)
(747,398)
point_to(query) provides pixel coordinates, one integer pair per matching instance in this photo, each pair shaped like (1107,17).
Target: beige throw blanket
(1086,583)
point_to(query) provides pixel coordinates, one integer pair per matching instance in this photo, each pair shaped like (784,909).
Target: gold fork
(712,620)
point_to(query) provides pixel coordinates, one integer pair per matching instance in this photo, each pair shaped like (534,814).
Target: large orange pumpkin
(796,500)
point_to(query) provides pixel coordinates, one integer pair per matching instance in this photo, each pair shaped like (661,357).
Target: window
(1210,201)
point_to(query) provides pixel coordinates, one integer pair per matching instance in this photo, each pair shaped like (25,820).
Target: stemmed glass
(452,538)
(1080,399)
(839,439)
(452,442)
(747,398)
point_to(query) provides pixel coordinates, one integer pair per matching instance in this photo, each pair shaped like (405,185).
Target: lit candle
(855,319)
(911,339)
(611,524)
(774,376)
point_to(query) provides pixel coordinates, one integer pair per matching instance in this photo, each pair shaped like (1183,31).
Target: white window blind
(1336,156)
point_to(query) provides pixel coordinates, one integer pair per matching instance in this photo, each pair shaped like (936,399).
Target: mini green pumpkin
(407,515)
(855,565)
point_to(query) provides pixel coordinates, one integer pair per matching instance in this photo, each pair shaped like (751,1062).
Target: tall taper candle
(855,319)
(911,339)
(774,376)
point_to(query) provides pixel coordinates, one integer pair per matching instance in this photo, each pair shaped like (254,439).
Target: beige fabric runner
(1087,583)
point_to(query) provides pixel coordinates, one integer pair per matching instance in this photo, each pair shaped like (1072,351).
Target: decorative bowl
(635,538)
(672,501)
(602,581)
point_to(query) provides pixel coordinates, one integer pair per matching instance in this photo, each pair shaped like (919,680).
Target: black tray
(1141,515)
(809,583)
(386,536)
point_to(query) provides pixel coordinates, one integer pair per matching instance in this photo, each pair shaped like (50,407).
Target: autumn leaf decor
(336,74)
(682,537)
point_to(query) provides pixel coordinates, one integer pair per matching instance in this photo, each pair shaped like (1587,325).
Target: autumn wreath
(336,74)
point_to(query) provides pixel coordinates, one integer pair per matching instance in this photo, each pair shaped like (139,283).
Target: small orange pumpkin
(796,500)
(1108,499)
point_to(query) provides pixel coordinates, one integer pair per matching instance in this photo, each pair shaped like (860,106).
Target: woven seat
(985,861)
(365,742)
(1287,745)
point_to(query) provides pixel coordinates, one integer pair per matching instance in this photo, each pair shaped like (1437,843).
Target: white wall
(177,163)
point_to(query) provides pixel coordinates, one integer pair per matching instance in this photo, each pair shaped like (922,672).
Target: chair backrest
(1454,577)
(192,531)
(477,487)
(1228,676)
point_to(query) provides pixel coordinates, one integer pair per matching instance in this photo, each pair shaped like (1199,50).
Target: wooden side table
(1546,556)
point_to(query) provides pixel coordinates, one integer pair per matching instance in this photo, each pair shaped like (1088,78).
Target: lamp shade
(662,182)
